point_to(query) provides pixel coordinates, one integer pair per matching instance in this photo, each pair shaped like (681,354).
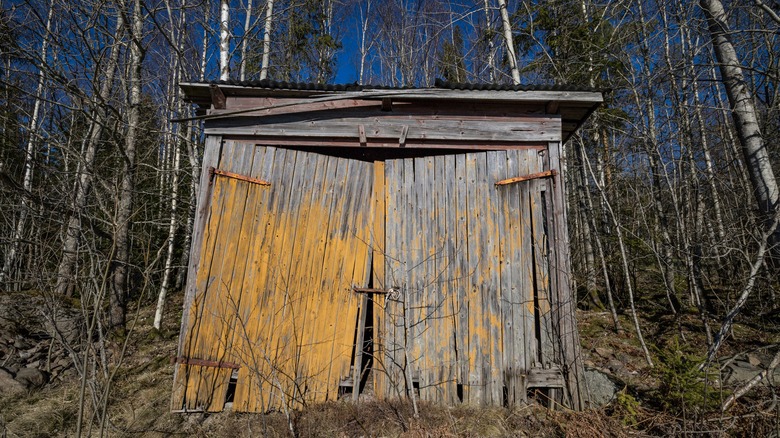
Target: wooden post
(211,157)
(568,334)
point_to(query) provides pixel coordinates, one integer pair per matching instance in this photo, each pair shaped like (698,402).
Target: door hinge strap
(227,174)
(545,174)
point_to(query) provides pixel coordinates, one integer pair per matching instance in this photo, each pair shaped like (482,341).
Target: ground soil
(140,371)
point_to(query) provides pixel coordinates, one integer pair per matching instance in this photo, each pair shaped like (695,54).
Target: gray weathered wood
(416,130)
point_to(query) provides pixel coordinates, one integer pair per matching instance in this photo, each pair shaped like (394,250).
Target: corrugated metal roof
(446,85)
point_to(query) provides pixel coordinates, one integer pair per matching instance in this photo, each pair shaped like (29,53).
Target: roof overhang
(572,105)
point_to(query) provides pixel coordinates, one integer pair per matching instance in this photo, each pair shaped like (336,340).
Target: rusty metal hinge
(213,171)
(545,174)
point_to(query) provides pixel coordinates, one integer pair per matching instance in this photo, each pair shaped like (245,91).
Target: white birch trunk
(754,149)
(363,50)
(491,60)
(269,12)
(177,107)
(29,157)
(224,40)
(245,39)
(510,42)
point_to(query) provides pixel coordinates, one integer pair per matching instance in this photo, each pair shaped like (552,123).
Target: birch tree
(29,156)
(267,28)
(746,122)
(509,41)
(224,40)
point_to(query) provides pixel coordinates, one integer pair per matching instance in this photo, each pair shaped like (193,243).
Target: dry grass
(140,404)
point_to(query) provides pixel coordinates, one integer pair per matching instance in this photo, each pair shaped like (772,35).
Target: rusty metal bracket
(545,174)
(226,174)
(363,290)
(204,363)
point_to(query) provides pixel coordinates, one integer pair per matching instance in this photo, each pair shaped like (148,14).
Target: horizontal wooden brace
(545,174)
(544,378)
(362,290)
(227,174)
(204,363)
(389,126)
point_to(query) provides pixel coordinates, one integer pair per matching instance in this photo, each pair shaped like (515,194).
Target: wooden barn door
(465,263)
(274,307)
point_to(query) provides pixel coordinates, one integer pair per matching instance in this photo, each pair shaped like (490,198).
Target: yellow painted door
(274,297)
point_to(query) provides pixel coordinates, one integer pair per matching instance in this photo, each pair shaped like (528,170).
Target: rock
(7,383)
(603,352)
(31,377)
(34,364)
(600,388)
(753,359)
(20,343)
(615,366)
(67,325)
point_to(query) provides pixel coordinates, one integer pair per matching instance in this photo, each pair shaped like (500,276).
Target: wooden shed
(356,241)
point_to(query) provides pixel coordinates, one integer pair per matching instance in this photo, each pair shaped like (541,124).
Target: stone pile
(36,341)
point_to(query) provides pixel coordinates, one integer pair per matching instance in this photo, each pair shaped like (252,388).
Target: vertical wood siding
(467,264)
(274,280)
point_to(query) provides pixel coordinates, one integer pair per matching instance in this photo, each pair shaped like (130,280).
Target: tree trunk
(84,182)
(175,136)
(269,11)
(119,292)
(363,32)
(510,42)
(491,55)
(224,40)
(754,148)
(245,39)
(29,157)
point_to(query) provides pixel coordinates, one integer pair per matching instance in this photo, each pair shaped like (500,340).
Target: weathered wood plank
(516,292)
(336,174)
(250,307)
(527,314)
(195,345)
(378,266)
(329,142)
(251,387)
(394,277)
(495,232)
(447,214)
(461,274)
(416,130)
(211,157)
(214,341)
(571,360)
(476,381)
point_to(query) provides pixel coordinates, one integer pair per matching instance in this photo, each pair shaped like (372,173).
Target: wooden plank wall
(461,255)
(274,280)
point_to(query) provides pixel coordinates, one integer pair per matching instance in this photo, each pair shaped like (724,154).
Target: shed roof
(573,103)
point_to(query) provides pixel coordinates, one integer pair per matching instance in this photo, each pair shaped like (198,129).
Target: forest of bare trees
(673,198)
